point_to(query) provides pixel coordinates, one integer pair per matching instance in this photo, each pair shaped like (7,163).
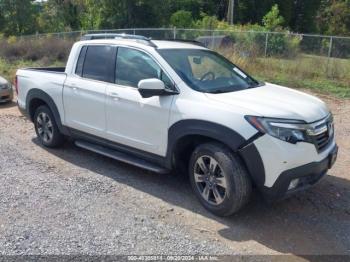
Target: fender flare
(232,139)
(183,128)
(39,94)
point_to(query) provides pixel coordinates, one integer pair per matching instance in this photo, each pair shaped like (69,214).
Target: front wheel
(46,128)
(219,179)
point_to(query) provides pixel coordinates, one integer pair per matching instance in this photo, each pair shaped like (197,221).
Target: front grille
(322,140)
(322,134)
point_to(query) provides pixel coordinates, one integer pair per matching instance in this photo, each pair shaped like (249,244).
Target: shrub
(12,40)
(48,48)
(207,22)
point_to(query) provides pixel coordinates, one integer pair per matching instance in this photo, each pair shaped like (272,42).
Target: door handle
(114,95)
(72,86)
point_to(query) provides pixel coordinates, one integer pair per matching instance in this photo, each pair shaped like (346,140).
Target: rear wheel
(219,179)
(46,128)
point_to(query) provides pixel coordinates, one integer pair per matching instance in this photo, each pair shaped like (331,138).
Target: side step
(123,157)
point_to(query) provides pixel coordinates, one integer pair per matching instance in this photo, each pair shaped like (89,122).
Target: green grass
(310,72)
(324,86)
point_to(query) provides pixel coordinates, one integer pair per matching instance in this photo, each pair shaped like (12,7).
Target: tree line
(19,17)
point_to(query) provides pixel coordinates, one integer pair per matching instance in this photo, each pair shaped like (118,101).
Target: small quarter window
(80,63)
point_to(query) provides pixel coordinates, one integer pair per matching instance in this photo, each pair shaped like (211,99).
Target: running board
(123,157)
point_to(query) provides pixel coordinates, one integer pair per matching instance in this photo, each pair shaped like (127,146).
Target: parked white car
(6,91)
(164,105)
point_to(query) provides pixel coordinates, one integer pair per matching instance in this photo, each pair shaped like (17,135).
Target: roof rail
(194,42)
(138,38)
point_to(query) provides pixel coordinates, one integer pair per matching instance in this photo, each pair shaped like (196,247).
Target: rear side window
(80,63)
(99,63)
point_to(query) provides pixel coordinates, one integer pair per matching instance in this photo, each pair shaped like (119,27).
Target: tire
(226,188)
(46,128)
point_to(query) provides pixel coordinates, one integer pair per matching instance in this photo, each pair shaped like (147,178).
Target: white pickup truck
(172,105)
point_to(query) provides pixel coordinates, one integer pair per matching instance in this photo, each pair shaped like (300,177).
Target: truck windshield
(207,71)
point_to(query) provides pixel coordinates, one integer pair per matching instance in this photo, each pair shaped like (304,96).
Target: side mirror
(152,87)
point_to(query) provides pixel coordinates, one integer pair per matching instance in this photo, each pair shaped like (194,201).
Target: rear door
(84,91)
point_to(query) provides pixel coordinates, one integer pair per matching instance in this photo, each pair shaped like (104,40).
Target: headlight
(5,86)
(291,131)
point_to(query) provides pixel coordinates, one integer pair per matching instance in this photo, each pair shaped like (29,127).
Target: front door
(134,121)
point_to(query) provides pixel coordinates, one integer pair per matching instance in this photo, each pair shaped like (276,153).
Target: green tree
(90,14)
(124,13)
(182,19)
(304,16)
(58,15)
(207,22)
(334,19)
(17,17)
(272,20)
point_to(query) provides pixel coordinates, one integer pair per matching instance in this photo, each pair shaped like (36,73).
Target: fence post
(174,32)
(329,55)
(266,43)
(330,47)
(213,39)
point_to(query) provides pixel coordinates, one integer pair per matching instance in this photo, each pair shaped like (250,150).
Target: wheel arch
(185,135)
(36,98)
(188,133)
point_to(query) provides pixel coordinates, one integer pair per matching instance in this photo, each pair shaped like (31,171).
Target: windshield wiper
(258,84)
(219,91)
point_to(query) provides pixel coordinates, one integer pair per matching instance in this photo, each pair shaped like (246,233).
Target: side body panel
(84,105)
(48,82)
(136,121)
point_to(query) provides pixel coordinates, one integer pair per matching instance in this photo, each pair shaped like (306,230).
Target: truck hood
(3,81)
(276,101)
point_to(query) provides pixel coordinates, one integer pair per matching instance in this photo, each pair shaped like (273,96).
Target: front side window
(207,71)
(99,63)
(134,66)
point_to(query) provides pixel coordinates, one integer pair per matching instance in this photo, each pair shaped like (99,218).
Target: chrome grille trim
(321,133)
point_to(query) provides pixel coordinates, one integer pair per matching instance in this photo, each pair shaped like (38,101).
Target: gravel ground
(71,201)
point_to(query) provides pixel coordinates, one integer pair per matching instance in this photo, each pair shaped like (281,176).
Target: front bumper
(6,95)
(274,164)
(306,175)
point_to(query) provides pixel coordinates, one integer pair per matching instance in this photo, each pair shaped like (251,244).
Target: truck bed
(47,69)
(49,80)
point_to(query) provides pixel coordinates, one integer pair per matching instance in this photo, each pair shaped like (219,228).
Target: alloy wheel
(44,127)
(210,180)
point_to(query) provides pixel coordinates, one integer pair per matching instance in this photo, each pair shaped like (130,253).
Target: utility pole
(231,11)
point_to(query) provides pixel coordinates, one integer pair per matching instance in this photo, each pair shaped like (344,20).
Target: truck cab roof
(159,44)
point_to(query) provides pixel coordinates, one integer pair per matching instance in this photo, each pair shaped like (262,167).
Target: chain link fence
(268,43)
(272,56)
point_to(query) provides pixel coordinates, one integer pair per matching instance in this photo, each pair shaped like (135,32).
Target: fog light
(293,184)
